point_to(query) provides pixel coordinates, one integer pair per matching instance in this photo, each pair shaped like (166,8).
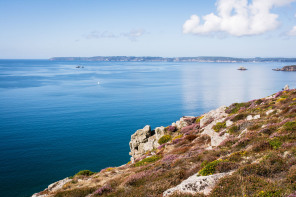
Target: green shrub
(219,126)
(233,129)
(254,127)
(164,139)
(239,117)
(235,107)
(210,168)
(147,160)
(75,192)
(275,143)
(85,173)
(290,126)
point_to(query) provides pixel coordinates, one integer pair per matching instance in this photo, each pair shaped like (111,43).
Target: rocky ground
(246,149)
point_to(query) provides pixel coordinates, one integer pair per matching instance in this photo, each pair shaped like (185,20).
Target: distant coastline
(172,59)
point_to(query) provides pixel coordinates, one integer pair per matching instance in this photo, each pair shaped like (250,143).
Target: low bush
(190,137)
(75,192)
(234,129)
(275,143)
(290,126)
(209,168)
(85,173)
(219,126)
(147,160)
(239,117)
(164,139)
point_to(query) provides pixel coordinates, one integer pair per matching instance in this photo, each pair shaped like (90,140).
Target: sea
(57,119)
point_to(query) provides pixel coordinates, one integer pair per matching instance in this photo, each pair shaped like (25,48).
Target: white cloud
(97,35)
(134,34)
(237,18)
(292,32)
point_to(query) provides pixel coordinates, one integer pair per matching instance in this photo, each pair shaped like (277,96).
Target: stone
(286,87)
(250,117)
(217,115)
(138,139)
(54,187)
(197,184)
(229,123)
(269,112)
(159,132)
(214,114)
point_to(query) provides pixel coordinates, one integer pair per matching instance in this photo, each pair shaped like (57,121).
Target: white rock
(217,115)
(269,112)
(197,184)
(286,87)
(214,114)
(54,187)
(229,123)
(249,117)
(159,132)
(256,117)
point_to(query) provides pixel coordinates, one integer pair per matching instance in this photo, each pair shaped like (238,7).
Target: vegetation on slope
(261,151)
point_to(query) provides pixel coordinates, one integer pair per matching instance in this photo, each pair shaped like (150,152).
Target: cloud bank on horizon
(239,18)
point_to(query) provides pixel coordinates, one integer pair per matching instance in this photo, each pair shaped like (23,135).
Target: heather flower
(169,158)
(176,141)
(278,94)
(101,190)
(161,146)
(133,179)
(189,128)
(171,128)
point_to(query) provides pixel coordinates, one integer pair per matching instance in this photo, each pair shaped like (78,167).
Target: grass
(147,160)
(164,139)
(219,126)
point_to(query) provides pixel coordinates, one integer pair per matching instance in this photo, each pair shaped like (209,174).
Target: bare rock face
(54,187)
(197,184)
(214,116)
(159,132)
(143,140)
(182,122)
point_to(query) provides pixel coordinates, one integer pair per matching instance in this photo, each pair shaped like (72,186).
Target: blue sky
(168,28)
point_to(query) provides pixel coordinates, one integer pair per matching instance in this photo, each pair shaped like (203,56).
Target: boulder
(217,115)
(138,139)
(213,115)
(53,187)
(286,87)
(159,132)
(197,184)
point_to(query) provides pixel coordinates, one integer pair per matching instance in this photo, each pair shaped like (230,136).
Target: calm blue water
(56,120)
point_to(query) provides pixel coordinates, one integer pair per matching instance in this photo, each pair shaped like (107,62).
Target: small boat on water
(242,68)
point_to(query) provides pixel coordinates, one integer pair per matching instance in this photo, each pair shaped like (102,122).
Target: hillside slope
(246,149)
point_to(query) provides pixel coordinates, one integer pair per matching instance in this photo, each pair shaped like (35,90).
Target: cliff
(245,149)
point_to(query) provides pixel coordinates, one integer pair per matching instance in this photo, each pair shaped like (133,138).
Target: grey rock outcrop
(197,184)
(214,116)
(143,140)
(53,187)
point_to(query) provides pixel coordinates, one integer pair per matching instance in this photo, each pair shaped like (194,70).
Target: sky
(35,29)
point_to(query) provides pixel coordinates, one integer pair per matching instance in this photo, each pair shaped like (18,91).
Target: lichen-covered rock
(215,116)
(138,139)
(250,117)
(182,122)
(197,184)
(53,187)
(159,132)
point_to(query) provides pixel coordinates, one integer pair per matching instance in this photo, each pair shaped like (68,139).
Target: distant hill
(171,59)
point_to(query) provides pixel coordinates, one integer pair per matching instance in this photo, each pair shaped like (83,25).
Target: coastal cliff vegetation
(245,149)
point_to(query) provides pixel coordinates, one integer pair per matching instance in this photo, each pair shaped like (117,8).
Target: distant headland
(172,59)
